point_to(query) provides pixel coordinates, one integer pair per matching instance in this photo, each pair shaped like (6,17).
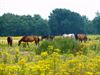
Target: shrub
(65,45)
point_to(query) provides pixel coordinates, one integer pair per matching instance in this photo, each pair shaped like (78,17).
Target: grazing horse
(47,37)
(29,39)
(69,36)
(81,37)
(9,40)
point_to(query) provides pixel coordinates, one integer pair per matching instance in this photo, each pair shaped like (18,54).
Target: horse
(47,37)
(9,40)
(69,36)
(81,37)
(29,39)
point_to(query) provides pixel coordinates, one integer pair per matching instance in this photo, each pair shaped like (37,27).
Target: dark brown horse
(81,37)
(29,39)
(9,40)
(47,37)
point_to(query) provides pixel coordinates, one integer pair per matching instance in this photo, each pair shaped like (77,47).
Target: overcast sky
(44,7)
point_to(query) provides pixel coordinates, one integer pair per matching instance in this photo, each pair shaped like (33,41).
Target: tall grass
(65,45)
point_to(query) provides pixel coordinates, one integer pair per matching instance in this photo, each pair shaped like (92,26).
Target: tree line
(60,21)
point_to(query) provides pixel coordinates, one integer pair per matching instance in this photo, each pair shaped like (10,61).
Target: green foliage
(11,24)
(41,26)
(65,45)
(96,24)
(59,22)
(64,21)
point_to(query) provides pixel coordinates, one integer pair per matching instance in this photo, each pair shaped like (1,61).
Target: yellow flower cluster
(21,62)
(53,65)
(44,54)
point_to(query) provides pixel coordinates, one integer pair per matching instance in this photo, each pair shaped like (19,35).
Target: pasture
(61,56)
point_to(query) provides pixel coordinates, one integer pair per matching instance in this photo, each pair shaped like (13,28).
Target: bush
(65,45)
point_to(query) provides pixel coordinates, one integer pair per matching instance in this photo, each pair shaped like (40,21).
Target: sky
(45,7)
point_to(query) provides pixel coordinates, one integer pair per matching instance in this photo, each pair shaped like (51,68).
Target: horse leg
(28,44)
(36,42)
(81,40)
(10,43)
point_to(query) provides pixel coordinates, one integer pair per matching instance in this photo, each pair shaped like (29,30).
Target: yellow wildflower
(22,62)
(44,54)
(88,73)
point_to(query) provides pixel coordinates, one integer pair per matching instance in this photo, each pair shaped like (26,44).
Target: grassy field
(57,57)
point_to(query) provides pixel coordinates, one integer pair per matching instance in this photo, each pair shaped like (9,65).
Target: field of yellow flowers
(82,60)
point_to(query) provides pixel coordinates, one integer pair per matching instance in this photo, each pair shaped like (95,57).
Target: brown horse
(9,40)
(47,37)
(29,39)
(81,37)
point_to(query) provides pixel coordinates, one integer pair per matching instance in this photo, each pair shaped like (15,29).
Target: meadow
(52,57)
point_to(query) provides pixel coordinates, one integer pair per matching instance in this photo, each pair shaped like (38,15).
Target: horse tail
(37,39)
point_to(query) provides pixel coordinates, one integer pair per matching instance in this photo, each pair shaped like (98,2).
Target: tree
(96,24)
(88,28)
(11,24)
(64,21)
(41,26)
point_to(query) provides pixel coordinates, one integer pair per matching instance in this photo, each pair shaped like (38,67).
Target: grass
(82,59)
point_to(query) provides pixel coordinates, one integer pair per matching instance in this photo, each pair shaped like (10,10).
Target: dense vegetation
(59,21)
(58,57)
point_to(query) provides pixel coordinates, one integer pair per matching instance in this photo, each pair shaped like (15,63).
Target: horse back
(27,39)
(81,36)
